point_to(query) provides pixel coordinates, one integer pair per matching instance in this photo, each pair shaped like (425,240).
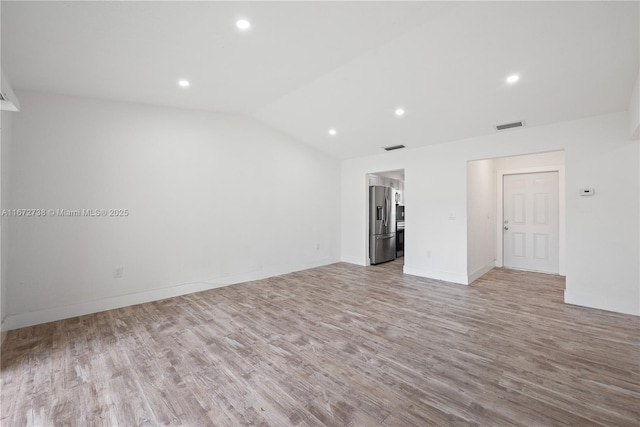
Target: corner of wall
(11,102)
(5,142)
(480,272)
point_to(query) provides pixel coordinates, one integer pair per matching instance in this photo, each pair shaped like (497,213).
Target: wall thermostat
(587,191)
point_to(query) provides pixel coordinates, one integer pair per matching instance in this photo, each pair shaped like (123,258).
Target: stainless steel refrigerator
(382,224)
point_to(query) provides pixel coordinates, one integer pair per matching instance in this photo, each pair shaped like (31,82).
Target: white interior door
(530,214)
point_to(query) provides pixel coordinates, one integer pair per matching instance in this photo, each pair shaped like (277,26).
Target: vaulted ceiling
(307,67)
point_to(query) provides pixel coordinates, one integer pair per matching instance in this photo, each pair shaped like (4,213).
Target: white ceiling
(305,67)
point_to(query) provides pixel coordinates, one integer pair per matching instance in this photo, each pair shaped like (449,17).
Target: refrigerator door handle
(386,209)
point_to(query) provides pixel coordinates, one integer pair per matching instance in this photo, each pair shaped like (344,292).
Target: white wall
(481,217)
(552,158)
(634,110)
(6,119)
(602,231)
(213,199)
(634,122)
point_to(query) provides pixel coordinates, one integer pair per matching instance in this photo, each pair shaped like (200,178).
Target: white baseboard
(95,306)
(437,275)
(354,260)
(480,272)
(52,314)
(624,306)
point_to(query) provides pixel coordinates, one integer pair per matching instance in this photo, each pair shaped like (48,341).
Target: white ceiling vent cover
(394,147)
(510,125)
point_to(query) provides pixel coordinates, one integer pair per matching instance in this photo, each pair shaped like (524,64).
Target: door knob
(506,228)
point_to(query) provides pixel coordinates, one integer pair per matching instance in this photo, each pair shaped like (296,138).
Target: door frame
(561,211)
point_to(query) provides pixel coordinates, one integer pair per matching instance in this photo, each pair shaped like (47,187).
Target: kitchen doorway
(394,181)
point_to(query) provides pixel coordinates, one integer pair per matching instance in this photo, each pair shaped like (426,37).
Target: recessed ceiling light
(399,112)
(183,83)
(332,132)
(243,24)
(513,78)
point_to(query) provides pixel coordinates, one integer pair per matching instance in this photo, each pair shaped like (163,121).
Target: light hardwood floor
(338,345)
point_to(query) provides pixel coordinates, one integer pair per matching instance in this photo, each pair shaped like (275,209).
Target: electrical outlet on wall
(118,272)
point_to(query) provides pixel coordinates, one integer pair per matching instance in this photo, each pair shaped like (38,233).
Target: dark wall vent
(394,147)
(510,125)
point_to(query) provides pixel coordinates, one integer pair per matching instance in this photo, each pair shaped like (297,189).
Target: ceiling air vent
(394,147)
(510,125)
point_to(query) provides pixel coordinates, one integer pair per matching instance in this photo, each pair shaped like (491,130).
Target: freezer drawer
(382,248)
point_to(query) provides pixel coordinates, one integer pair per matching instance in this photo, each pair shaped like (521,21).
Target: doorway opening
(528,192)
(385,216)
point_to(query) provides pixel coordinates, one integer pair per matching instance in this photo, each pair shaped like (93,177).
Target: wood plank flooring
(339,345)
